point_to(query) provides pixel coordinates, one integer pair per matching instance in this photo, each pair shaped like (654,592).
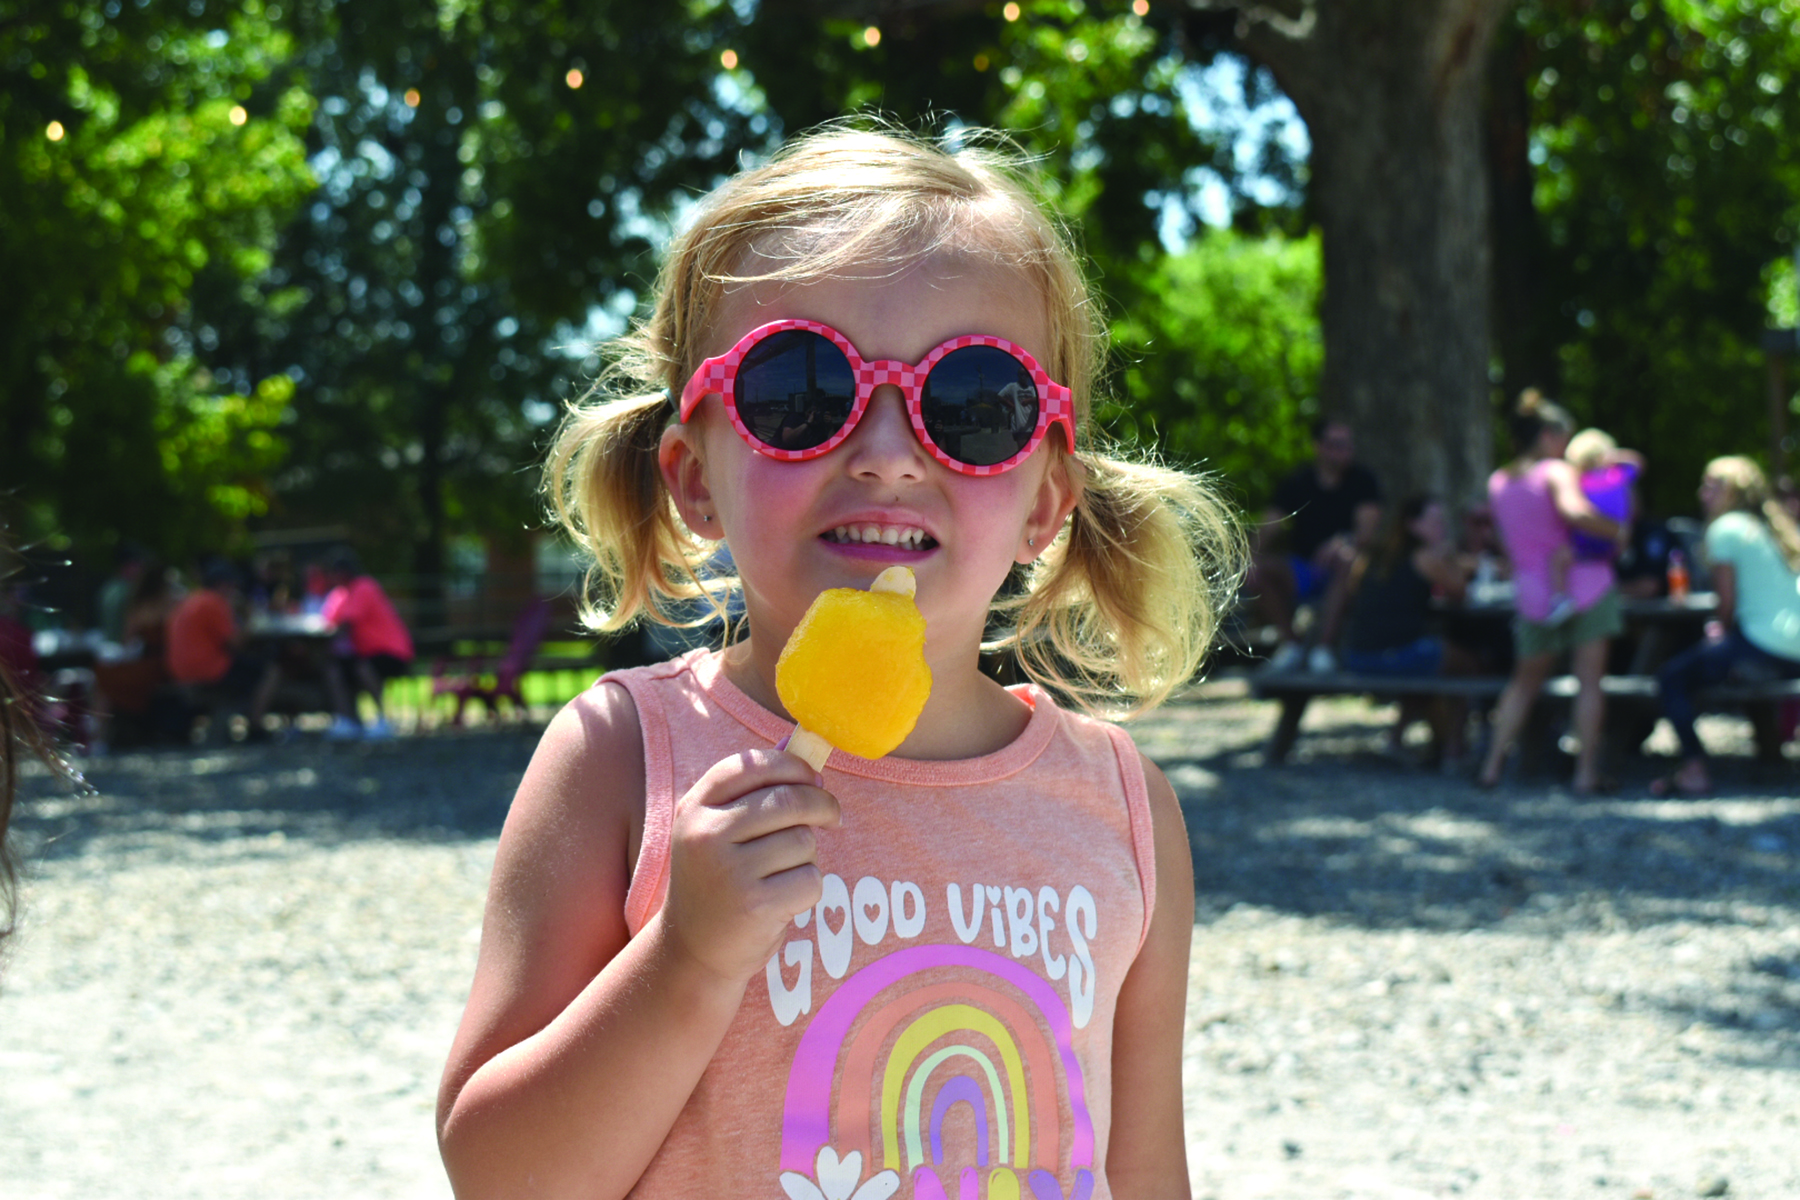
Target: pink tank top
(940,1025)
(1533,531)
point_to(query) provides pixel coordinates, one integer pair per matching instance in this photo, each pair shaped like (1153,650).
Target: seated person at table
(1608,478)
(380,648)
(1753,547)
(1388,633)
(1330,510)
(129,689)
(206,650)
(129,566)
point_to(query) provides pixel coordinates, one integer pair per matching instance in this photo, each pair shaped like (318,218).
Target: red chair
(500,682)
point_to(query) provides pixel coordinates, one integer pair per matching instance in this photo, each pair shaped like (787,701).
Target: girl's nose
(884,445)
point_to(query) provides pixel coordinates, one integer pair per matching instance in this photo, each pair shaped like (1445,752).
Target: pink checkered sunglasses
(796,389)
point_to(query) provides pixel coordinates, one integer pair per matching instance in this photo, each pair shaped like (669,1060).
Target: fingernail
(782,744)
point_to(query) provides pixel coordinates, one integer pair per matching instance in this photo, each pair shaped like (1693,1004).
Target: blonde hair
(1590,450)
(1123,605)
(1750,493)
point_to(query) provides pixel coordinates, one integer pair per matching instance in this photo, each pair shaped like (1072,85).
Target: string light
(238,115)
(1141,7)
(1010,12)
(412,97)
(574,78)
(54,131)
(729,60)
(872,36)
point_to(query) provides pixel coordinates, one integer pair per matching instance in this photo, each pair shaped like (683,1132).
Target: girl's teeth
(911,539)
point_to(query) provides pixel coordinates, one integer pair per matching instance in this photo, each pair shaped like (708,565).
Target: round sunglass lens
(979,405)
(794,390)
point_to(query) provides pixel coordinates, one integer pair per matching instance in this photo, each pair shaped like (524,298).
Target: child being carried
(1608,473)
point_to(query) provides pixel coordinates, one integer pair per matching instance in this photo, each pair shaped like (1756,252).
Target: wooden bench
(1296,689)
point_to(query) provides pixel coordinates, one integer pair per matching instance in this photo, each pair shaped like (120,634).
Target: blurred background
(285,275)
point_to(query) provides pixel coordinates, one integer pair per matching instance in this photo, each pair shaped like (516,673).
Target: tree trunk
(1391,92)
(1526,352)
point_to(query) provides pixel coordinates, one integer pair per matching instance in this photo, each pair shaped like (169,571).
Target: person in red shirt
(206,649)
(379,647)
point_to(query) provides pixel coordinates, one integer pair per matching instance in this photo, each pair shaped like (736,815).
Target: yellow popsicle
(853,672)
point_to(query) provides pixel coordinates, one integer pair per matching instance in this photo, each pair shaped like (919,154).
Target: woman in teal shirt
(1753,550)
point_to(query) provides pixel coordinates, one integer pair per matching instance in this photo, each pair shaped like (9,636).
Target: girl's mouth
(900,537)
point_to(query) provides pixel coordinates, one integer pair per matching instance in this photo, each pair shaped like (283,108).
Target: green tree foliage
(1219,362)
(145,160)
(1103,98)
(490,174)
(1095,92)
(1668,182)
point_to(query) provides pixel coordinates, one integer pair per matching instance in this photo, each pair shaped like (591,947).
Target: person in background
(1537,500)
(380,648)
(129,565)
(206,650)
(314,589)
(1753,548)
(128,685)
(1330,510)
(1608,477)
(1391,589)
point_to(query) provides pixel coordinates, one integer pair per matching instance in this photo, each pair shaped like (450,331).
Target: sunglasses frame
(716,377)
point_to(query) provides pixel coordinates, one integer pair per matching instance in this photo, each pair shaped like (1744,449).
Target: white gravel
(239,971)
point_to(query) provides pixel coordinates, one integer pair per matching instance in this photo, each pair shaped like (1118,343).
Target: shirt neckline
(709,672)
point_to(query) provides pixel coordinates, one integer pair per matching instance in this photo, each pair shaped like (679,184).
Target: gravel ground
(239,971)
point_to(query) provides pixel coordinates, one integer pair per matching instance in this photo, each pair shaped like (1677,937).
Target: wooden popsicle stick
(810,747)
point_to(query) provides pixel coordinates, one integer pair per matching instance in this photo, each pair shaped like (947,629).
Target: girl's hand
(743,859)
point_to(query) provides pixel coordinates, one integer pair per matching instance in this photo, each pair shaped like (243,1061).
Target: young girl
(1607,474)
(956,971)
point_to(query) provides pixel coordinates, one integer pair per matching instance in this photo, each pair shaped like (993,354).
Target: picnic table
(1656,627)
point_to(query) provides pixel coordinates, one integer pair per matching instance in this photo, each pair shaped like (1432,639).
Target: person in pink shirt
(379,646)
(1537,500)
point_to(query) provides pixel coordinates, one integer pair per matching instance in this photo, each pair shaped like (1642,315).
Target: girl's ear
(1056,497)
(684,474)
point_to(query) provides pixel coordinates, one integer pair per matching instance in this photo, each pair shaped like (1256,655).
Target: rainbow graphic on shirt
(997,1039)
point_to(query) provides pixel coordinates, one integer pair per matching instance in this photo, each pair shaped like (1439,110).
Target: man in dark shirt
(1329,510)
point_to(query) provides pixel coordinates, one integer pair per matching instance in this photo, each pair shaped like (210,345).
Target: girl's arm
(1576,509)
(1148,1154)
(581,1044)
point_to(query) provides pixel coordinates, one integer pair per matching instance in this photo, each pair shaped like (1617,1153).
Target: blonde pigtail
(1124,607)
(605,488)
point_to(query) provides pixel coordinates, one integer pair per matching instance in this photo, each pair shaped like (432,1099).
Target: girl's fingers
(757,793)
(730,779)
(782,850)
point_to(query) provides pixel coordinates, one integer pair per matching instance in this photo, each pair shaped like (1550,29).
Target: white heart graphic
(838,1177)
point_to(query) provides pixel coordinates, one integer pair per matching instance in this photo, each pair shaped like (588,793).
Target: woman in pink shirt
(379,647)
(1537,500)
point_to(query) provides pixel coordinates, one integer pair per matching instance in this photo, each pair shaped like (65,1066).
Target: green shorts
(1604,618)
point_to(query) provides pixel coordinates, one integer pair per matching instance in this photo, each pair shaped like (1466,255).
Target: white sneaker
(1321,661)
(343,729)
(380,731)
(1287,657)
